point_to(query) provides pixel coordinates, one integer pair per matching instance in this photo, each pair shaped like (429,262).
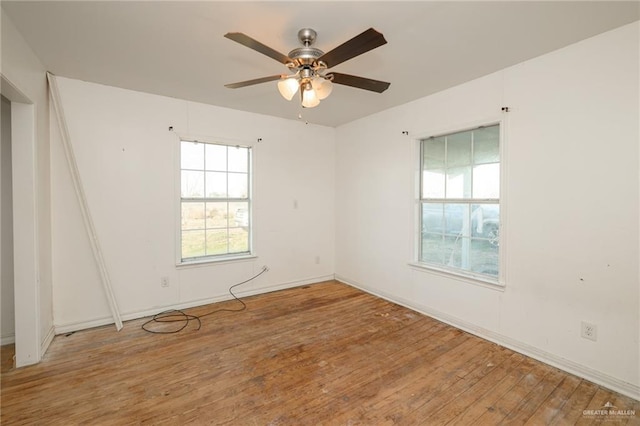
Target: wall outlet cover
(589,331)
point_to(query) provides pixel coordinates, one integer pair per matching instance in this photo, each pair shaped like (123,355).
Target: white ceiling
(177,48)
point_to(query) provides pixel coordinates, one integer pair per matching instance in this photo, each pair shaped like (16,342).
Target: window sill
(475,280)
(215,261)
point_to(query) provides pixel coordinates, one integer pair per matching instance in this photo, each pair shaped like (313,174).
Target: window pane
(238,240)
(432,218)
(216,185)
(433,184)
(238,185)
(193,215)
(238,159)
(216,157)
(486,181)
(478,254)
(239,214)
(432,248)
(213,174)
(217,215)
(192,184)
(456,252)
(217,241)
(484,257)
(486,145)
(193,244)
(459,149)
(458,234)
(459,182)
(485,219)
(456,217)
(433,153)
(191,155)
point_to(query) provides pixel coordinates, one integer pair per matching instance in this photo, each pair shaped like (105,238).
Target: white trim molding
(610,382)
(98,322)
(87,217)
(8,339)
(47,340)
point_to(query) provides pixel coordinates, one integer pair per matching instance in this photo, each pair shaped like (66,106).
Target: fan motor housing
(305,55)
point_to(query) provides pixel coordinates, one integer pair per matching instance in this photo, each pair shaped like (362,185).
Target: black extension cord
(176,315)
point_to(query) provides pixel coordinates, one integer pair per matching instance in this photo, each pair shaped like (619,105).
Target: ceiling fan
(309,66)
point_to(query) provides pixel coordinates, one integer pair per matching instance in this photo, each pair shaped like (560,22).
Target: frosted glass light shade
(322,86)
(288,87)
(309,97)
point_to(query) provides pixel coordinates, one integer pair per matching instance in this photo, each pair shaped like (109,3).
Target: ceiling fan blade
(359,82)
(254,81)
(245,40)
(364,42)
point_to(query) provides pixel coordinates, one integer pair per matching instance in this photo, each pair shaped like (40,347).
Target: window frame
(484,280)
(216,258)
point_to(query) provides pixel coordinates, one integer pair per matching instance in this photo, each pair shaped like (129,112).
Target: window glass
(433,183)
(485,221)
(485,145)
(483,257)
(217,215)
(434,154)
(486,181)
(193,243)
(215,203)
(433,248)
(459,149)
(433,218)
(217,241)
(193,215)
(238,185)
(454,251)
(216,157)
(238,240)
(191,155)
(458,182)
(216,185)
(456,217)
(238,159)
(192,184)
(460,202)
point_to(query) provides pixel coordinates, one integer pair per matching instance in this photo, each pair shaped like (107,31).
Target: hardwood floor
(325,354)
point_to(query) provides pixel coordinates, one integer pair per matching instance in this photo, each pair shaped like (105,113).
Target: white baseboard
(8,339)
(98,322)
(47,341)
(595,376)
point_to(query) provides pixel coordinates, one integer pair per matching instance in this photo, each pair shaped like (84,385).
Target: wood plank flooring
(324,354)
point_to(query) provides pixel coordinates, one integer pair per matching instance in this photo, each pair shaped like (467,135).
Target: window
(460,202)
(215,200)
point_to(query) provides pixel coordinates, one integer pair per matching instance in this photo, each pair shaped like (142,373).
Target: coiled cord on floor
(177,315)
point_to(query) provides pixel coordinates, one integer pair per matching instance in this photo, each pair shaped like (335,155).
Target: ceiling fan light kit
(288,87)
(309,96)
(323,86)
(309,66)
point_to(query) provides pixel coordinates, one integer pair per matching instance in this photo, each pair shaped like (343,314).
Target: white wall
(570,203)
(24,83)
(570,207)
(7,318)
(127,161)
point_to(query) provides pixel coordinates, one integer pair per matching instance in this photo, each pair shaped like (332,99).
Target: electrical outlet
(164,282)
(589,331)
(317,260)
